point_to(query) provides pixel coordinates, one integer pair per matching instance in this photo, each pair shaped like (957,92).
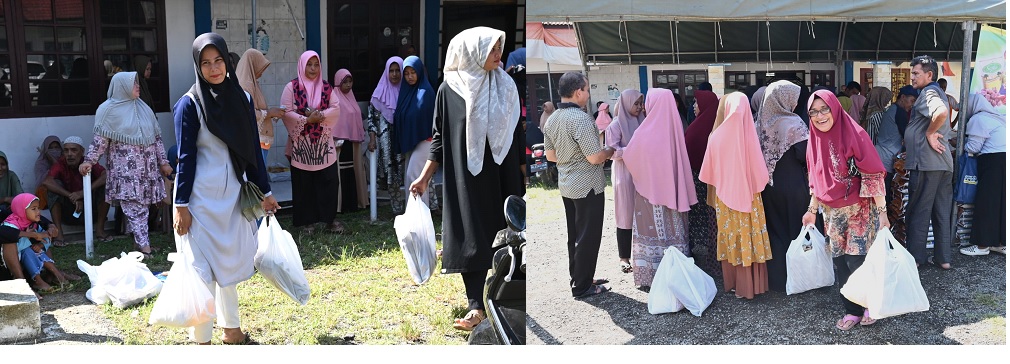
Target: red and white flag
(553,44)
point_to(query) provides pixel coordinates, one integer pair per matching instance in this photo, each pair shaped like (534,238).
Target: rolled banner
(89,234)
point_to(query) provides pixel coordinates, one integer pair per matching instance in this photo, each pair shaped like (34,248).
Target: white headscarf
(492,100)
(123,117)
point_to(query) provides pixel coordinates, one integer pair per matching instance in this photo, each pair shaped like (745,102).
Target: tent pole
(550,88)
(969,32)
(584,56)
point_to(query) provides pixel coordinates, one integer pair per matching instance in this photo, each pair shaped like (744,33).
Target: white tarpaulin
(796,10)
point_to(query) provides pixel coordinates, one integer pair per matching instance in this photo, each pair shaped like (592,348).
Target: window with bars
(363,34)
(57,56)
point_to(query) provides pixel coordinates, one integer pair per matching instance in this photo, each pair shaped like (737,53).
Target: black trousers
(930,199)
(989,227)
(844,266)
(624,243)
(585,230)
(474,284)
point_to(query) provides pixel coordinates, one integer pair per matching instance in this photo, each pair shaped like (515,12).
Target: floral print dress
(134,171)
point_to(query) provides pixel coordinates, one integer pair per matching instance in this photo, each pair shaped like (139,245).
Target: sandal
(336,227)
(940,265)
(470,321)
(847,322)
(59,243)
(246,341)
(104,238)
(593,290)
(867,320)
(599,281)
(626,267)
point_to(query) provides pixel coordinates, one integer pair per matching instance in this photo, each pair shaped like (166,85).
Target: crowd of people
(223,132)
(736,185)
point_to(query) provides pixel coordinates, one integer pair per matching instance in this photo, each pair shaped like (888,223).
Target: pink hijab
(19,214)
(313,88)
(733,162)
(603,119)
(828,155)
(628,123)
(385,94)
(657,158)
(349,126)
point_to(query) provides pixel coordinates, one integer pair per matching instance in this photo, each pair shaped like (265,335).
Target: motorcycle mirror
(515,213)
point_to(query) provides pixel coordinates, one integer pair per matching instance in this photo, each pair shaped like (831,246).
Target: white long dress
(222,241)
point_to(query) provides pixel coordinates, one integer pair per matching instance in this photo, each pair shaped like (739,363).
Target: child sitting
(32,234)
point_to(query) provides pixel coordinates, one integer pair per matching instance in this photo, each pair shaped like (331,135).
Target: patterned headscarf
(492,100)
(777,127)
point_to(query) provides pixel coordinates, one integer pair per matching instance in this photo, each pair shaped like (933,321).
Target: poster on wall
(989,77)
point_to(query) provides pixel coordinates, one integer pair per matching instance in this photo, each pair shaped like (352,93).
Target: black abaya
(785,203)
(472,210)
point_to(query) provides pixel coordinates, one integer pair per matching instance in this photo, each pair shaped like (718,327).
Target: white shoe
(974,250)
(998,249)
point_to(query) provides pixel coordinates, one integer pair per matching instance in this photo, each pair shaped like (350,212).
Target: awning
(759,10)
(688,31)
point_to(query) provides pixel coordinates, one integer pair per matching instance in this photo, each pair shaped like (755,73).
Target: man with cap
(66,196)
(931,166)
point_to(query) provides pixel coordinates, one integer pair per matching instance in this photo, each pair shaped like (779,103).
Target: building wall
(607,82)
(282,45)
(20,146)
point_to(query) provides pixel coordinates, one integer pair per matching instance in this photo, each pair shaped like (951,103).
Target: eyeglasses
(822,111)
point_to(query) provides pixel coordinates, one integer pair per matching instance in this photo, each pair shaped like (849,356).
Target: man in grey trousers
(931,166)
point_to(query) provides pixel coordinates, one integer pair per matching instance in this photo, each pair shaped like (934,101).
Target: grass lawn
(360,287)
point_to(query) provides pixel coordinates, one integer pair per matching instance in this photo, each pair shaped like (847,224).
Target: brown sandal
(336,227)
(470,321)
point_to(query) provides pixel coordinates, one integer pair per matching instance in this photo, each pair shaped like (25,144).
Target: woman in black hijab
(220,166)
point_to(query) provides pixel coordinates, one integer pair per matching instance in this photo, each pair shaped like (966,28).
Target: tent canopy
(796,10)
(655,31)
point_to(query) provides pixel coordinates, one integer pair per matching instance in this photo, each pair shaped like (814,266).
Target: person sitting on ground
(31,234)
(66,196)
(10,184)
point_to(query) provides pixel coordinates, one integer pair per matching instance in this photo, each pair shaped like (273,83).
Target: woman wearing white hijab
(127,134)
(479,144)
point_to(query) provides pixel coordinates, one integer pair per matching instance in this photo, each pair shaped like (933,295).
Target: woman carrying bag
(847,182)
(219,165)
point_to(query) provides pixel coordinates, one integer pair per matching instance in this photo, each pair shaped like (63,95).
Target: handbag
(967,179)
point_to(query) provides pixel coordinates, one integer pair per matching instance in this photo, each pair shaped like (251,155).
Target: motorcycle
(505,289)
(540,168)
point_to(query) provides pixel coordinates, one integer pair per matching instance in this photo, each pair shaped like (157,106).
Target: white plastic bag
(277,259)
(661,299)
(808,263)
(185,300)
(416,234)
(123,281)
(887,283)
(691,287)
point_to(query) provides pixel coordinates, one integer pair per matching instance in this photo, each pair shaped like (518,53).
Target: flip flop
(246,341)
(103,238)
(940,265)
(847,322)
(626,267)
(336,227)
(599,281)
(59,243)
(867,320)
(592,291)
(467,322)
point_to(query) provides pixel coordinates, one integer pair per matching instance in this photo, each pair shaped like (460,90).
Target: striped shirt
(571,133)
